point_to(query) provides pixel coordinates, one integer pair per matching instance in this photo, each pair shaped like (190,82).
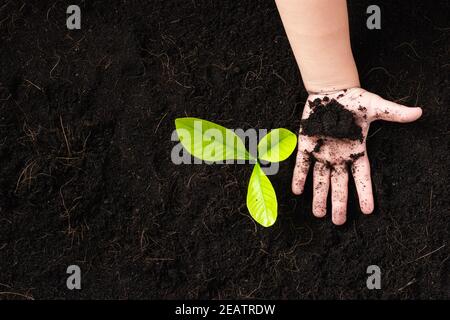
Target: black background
(86,178)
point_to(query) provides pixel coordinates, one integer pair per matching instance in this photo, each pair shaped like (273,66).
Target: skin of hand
(318,32)
(336,157)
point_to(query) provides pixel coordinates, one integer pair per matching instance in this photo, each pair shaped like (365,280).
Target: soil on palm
(329,118)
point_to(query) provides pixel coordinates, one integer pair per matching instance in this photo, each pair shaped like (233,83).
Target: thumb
(390,111)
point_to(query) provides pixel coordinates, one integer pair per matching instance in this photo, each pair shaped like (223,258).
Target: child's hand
(336,140)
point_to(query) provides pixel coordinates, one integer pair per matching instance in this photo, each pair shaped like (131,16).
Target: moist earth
(329,118)
(86,177)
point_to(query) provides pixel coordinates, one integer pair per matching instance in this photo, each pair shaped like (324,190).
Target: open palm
(338,146)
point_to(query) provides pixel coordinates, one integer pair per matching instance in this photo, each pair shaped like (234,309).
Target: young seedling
(211,142)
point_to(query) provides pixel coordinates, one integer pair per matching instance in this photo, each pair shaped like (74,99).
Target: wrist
(327,89)
(334,78)
(348,91)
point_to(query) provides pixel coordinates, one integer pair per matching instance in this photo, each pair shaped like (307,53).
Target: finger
(321,181)
(300,171)
(391,111)
(339,185)
(363,183)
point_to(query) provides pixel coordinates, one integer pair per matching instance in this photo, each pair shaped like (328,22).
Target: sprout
(211,142)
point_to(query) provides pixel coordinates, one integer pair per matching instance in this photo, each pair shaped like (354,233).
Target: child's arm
(318,32)
(319,35)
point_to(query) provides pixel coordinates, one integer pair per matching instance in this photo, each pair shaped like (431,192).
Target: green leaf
(209,141)
(261,198)
(277,145)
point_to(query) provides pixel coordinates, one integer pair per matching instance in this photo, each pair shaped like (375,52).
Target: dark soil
(86,178)
(318,145)
(356,156)
(329,118)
